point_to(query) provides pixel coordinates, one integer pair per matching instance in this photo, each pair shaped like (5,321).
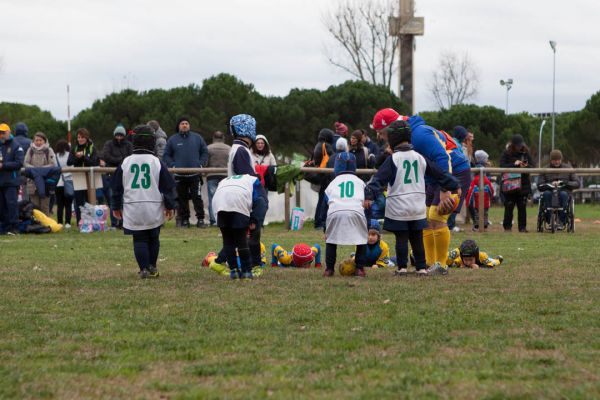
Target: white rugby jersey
(142,201)
(346,192)
(406,197)
(232,152)
(234,194)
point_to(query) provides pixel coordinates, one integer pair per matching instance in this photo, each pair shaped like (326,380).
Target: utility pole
(406,27)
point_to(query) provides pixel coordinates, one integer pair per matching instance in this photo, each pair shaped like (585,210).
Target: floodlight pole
(553,46)
(539,165)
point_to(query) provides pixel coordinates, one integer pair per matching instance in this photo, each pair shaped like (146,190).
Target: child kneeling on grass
(143,194)
(405,211)
(302,256)
(240,203)
(346,222)
(468,255)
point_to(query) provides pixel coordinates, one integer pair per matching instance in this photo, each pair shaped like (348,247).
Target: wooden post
(91,186)
(481,199)
(286,209)
(298,184)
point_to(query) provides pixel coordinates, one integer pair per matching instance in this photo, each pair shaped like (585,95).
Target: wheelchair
(555,208)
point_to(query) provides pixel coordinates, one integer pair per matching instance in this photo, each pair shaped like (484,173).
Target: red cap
(302,255)
(385,117)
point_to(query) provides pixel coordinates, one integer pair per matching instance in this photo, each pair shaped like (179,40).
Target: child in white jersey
(240,203)
(143,194)
(346,222)
(405,211)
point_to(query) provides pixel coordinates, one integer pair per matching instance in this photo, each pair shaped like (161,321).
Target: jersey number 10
(346,189)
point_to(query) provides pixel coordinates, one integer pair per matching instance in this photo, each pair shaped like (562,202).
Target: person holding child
(143,194)
(406,212)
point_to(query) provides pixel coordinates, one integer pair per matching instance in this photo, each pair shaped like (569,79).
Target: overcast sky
(105,45)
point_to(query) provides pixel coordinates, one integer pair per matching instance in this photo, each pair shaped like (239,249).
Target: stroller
(552,224)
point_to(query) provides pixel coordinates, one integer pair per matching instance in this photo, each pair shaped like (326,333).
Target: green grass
(76,322)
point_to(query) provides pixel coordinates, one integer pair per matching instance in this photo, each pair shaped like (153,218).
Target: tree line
(291,123)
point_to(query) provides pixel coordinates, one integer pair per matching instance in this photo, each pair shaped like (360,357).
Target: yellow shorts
(434,215)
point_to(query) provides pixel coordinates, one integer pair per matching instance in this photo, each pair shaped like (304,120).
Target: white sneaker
(422,272)
(456,229)
(67,226)
(401,272)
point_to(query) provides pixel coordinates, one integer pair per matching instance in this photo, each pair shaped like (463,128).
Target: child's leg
(360,256)
(416,243)
(154,245)
(141,249)
(281,255)
(240,239)
(402,249)
(330,256)
(475,217)
(254,245)
(316,249)
(429,243)
(228,250)
(486,219)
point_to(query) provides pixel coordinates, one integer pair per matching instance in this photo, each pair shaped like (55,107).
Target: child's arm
(117,193)
(384,176)
(470,192)
(486,261)
(384,257)
(260,204)
(166,185)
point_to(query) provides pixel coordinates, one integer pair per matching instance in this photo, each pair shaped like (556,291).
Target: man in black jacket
(113,154)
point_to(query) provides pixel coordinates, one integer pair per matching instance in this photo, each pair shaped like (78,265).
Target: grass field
(76,322)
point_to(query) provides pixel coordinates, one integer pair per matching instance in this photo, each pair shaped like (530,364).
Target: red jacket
(473,193)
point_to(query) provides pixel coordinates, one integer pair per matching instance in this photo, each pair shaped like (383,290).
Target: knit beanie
(341,128)
(460,133)
(344,162)
(375,226)
(120,130)
(180,120)
(555,155)
(481,156)
(341,145)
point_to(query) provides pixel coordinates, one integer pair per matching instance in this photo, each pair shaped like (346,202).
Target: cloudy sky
(102,46)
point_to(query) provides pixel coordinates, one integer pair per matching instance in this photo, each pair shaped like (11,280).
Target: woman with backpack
(321,154)
(39,155)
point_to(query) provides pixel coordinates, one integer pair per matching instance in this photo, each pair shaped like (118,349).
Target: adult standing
(114,152)
(261,152)
(39,155)
(11,161)
(21,137)
(187,149)
(64,199)
(324,147)
(160,137)
(83,154)
(464,139)
(218,155)
(516,155)
(369,144)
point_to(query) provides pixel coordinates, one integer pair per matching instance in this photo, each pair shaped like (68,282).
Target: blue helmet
(375,226)
(344,162)
(243,125)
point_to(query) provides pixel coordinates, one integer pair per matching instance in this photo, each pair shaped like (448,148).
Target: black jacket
(114,152)
(570,179)
(507,160)
(325,136)
(90,156)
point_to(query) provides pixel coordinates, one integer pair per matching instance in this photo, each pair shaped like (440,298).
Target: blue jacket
(21,132)
(12,161)
(186,150)
(430,143)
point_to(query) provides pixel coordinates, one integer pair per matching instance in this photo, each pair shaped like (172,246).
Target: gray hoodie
(161,142)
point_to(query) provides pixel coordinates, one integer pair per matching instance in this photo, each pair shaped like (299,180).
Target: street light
(553,46)
(508,83)
(539,164)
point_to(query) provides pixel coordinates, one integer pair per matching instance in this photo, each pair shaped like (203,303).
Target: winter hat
(4,128)
(481,156)
(42,135)
(341,128)
(263,138)
(120,130)
(517,140)
(243,125)
(375,226)
(555,155)
(344,162)
(180,120)
(460,132)
(398,132)
(341,144)
(385,117)
(21,129)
